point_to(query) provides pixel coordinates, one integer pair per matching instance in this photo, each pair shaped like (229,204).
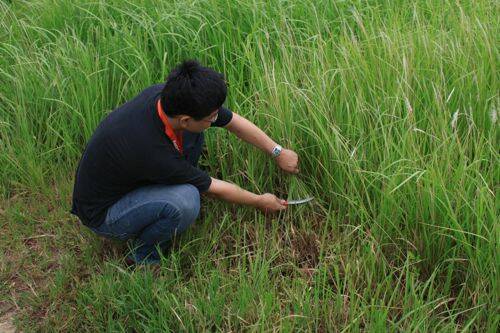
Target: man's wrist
(256,201)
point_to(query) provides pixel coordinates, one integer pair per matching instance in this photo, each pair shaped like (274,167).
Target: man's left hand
(288,161)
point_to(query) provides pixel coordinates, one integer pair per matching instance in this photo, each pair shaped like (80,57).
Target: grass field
(392,107)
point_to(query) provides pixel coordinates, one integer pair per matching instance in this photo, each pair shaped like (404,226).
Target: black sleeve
(174,169)
(224,117)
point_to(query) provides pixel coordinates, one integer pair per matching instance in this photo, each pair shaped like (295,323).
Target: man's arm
(232,193)
(249,132)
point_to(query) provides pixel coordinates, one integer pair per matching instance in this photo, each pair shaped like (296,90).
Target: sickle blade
(300,201)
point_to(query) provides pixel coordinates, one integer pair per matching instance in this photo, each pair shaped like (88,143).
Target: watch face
(276,151)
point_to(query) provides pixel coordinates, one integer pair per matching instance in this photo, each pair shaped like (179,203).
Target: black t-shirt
(129,149)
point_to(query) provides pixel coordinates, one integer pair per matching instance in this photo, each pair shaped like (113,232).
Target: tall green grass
(392,107)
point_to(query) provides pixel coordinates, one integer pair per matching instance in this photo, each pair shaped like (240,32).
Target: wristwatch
(276,151)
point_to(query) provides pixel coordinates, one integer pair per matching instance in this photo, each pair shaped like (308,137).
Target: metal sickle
(297,202)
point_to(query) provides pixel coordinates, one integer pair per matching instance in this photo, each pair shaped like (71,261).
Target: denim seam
(111,235)
(177,210)
(123,213)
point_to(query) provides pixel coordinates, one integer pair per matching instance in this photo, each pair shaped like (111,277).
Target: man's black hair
(193,90)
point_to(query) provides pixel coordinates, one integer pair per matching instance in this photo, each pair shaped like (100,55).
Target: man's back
(124,153)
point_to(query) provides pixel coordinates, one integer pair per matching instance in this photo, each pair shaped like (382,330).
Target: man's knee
(181,208)
(190,205)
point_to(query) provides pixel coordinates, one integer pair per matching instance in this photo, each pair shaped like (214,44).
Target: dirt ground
(7,323)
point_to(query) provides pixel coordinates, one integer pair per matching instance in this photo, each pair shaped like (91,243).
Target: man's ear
(184,121)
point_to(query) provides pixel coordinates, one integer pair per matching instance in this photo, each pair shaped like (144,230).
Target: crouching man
(138,178)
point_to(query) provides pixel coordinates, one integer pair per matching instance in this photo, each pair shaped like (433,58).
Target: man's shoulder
(133,119)
(153,90)
(143,98)
(143,101)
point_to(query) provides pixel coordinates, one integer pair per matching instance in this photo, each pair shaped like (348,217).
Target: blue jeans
(151,216)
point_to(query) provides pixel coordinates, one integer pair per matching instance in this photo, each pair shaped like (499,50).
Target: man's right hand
(269,203)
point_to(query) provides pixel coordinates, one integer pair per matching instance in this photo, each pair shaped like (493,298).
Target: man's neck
(175,125)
